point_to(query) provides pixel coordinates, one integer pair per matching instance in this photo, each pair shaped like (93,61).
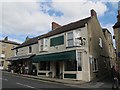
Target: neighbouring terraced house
(116,28)
(6,52)
(78,51)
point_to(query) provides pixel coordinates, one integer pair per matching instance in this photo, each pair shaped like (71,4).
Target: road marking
(4,79)
(24,85)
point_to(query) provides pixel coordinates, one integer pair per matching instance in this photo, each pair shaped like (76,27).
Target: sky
(22,18)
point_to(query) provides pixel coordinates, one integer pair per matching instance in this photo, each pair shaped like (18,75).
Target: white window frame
(79,59)
(77,42)
(29,49)
(67,40)
(100,42)
(43,45)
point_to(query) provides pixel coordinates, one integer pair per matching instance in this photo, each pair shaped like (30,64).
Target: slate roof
(68,27)
(10,42)
(117,25)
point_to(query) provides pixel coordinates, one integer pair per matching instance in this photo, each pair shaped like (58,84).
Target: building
(116,28)
(77,51)
(111,49)
(6,52)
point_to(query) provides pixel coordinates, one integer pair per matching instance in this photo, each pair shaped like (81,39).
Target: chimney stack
(55,25)
(93,13)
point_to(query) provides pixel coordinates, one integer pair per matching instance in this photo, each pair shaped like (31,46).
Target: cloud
(24,18)
(73,11)
(31,18)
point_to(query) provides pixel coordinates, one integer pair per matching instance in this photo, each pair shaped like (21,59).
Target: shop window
(71,65)
(44,65)
(79,54)
(57,41)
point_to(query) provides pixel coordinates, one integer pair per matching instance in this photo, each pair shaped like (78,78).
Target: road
(12,82)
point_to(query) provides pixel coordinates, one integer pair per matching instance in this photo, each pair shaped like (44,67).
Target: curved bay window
(44,65)
(71,65)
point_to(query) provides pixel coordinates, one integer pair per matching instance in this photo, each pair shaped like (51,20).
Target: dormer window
(30,49)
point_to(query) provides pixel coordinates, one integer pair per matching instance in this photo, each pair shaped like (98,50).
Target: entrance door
(57,69)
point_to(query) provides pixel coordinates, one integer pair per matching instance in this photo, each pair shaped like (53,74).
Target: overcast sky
(21,18)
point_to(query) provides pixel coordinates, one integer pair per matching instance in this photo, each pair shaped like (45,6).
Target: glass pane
(44,65)
(79,61)
(70,42)
(71,65)
(69,35)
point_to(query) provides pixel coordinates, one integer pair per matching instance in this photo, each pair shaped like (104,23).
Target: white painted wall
(25,50)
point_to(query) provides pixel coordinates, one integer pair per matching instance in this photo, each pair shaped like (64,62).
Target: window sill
(73,46)
(95,71)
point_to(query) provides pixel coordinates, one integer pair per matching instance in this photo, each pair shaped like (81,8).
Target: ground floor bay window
(43,67)
(72,67)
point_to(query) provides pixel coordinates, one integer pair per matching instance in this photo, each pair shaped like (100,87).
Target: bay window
(71,65)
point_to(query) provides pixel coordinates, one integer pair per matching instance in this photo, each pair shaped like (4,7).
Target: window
(16,51)
(71,65)
(43,44)
(30,49)
(78,38)
(100,42)
(44,65)
(3,52)
(79,54)
(2,63)
(57,41)
(70,41)
(4,45)
(95,65)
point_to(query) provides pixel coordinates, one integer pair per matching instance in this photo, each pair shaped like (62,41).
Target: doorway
(57,69)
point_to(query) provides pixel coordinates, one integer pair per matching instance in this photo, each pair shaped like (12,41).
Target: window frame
(95,65)
(55,39)
(70,39)
(30,49)
(79,61)
(46,63)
